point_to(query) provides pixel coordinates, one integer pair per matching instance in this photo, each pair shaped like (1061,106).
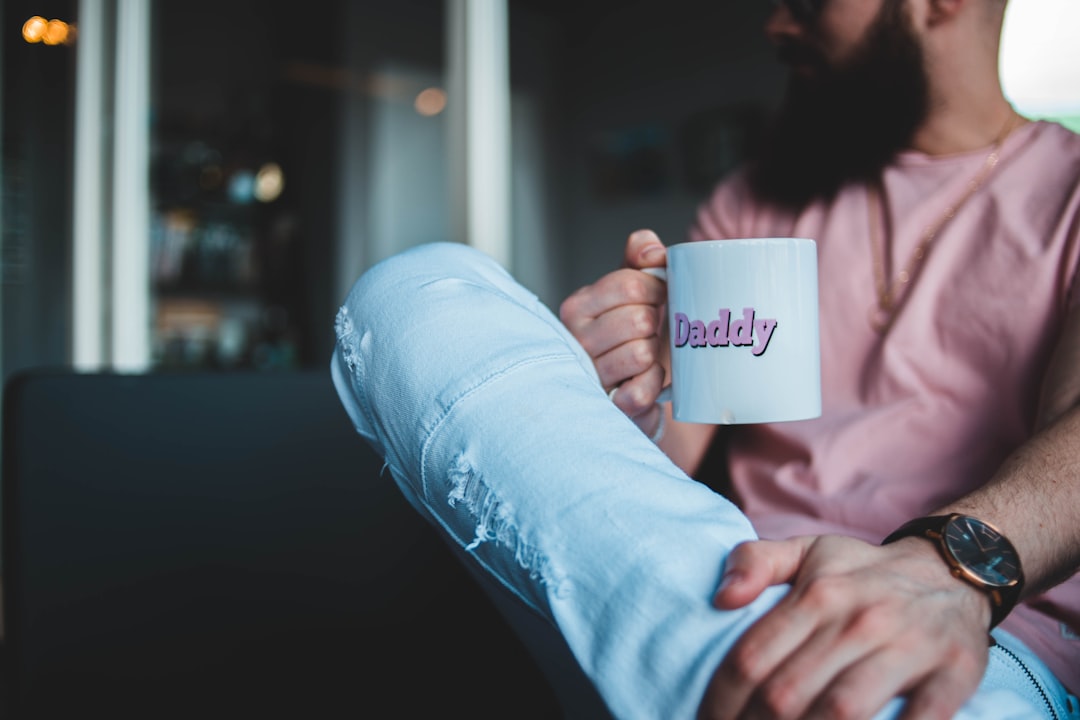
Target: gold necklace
(889,294)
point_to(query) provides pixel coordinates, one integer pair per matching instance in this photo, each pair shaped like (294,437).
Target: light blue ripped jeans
(494,425)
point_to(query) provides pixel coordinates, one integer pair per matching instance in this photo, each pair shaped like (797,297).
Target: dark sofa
(224,545)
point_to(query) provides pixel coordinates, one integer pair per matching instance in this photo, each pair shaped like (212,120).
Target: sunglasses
(804,11)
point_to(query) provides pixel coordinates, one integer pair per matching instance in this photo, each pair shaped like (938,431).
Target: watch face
(982,552)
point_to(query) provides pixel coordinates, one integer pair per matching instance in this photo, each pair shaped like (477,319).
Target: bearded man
(948,231)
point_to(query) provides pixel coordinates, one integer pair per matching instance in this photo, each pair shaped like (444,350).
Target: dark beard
(846,123)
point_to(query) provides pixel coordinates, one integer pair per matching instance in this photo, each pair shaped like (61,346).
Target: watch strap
(934,524)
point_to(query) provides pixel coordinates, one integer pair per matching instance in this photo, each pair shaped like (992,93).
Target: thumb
(756,565)
(644,249)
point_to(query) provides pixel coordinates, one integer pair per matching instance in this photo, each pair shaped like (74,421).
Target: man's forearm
(1034,499)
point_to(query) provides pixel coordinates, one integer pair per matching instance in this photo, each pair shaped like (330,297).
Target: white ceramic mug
(743,325)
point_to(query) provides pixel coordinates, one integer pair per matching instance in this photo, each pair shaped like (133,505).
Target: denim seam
(496,375)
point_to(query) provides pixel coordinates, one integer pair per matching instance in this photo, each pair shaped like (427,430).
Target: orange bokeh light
(56,32)
(431,101)
(33,30)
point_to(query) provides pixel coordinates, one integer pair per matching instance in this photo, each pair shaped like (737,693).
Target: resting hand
(618,320)
(861,625)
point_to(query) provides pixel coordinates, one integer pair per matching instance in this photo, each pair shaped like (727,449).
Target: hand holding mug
(617,320)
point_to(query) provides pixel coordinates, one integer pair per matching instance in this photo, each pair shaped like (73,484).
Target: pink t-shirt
(927,413)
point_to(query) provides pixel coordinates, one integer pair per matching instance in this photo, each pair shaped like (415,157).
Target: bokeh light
(430,101)
(269,182)
(49,32)
(33,30)
(241,187)
(56,32)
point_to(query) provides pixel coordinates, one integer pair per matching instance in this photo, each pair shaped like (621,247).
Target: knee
(404,279)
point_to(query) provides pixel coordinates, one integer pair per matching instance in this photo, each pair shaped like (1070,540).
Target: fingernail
(729,579)
(653,252)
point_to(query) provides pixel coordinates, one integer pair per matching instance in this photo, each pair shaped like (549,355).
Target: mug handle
(660,273)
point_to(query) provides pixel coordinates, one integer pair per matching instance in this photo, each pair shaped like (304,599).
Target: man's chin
(809,156)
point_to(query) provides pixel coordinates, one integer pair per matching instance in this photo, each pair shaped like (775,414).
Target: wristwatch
(976,552)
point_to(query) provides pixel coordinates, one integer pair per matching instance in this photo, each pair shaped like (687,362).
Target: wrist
(921,560)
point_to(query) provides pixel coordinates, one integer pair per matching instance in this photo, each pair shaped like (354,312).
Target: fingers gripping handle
(661,274)
(656,272)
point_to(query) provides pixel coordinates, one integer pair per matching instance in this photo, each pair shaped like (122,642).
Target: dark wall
(35,170)
(655,99)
